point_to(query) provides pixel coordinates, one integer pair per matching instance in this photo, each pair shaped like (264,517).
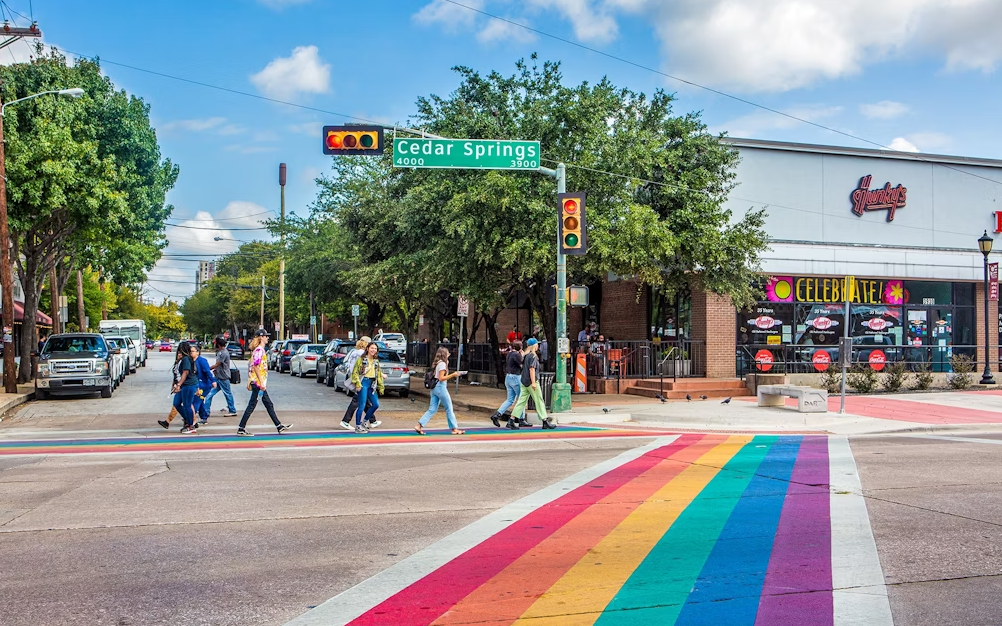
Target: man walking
(530,387)
(221,370)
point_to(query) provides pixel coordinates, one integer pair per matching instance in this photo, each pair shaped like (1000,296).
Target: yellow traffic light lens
(571,223)
(570,206)
(350,141)
(570,240)
(366,141)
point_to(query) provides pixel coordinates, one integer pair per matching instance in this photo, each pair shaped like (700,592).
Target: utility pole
(262,301)
(313,319)
(281,258)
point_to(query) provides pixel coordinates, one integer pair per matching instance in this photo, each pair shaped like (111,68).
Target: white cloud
(592,21)
(497,30)
(903,145)
(301,73)
(196,125)
(451,16)
(758,122)
(883,110)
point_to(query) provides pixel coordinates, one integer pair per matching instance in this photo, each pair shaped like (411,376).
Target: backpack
(430,380)
(234,376)
(349,363)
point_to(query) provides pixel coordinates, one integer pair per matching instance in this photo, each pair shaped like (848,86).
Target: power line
(222,219)
(211,228)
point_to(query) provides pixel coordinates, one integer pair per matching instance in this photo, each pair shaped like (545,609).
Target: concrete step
(679,394)
(692,384)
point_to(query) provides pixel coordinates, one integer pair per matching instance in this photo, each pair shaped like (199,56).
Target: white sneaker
(347,426)
(374,424)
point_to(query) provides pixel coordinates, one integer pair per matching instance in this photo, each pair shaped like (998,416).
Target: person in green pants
(530,387)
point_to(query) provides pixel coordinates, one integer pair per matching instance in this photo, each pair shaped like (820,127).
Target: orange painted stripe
(508,595)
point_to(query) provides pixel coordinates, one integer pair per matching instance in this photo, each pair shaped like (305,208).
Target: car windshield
(74,344)
(392,337)
(232,345)
(293,346)
(315,348)
(389,356)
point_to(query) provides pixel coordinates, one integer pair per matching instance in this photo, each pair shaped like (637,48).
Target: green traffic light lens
(366,141)
(570,240)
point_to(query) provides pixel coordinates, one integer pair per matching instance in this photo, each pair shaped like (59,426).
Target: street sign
(463,307)
(356,310)
(481,154)
(563,345)
(313,320)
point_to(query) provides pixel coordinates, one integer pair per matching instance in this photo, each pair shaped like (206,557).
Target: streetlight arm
(75,92)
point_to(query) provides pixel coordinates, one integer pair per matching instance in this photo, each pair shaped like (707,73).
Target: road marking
(351,604)
(860,592)
(959,439)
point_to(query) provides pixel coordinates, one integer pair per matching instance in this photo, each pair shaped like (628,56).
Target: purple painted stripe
(798,583)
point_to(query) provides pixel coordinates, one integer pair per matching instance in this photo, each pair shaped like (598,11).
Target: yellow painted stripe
(580,596)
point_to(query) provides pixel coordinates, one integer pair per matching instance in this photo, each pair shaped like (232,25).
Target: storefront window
(766,324)
(820,324)
(963,294)
(927,292)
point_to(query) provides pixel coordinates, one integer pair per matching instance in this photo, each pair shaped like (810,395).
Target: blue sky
(910,74)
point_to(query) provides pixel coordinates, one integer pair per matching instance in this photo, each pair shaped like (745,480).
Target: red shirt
(514,336)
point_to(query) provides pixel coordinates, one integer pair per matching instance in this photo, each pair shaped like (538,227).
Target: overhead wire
(211,228)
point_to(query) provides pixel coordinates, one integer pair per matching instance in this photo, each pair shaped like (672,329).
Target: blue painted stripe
(728,588)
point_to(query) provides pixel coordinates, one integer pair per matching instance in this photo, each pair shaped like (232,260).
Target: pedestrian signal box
(353,140)
(576,296)
(573,233)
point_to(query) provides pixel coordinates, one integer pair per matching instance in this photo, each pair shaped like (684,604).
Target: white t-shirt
(441,367)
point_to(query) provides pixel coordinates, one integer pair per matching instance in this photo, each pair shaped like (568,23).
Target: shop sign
(822,360)
(865,291)
(993,282)
(763,360)
(878,324)
(884,198)
(997,217)
(877,360)
(774,340)
(823,323)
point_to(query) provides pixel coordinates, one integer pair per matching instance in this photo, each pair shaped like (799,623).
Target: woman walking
(257,383)
(184,389)
(440,394)
(173,411)
(530,387)
(512,382)
(367,377)
(205,384)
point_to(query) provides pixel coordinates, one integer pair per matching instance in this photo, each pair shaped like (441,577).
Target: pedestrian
(514,335)
(349,386)
(203,372)
(184,388)
(222,372)
(512,382)
(440,394)
(367,378)
(530,387)
(41,341)
(176,376)
(257,384)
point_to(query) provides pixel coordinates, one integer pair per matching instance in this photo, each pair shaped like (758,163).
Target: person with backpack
(529,387)
(184,389)
(223,371)
(349,362)
(367,378)
(513,383)
(439,380)
(257,384)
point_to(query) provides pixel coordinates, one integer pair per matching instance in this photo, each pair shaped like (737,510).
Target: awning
(40,318)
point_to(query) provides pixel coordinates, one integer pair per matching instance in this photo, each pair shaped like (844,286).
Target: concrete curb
(9,403)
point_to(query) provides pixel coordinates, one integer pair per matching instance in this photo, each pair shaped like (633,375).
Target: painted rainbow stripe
(173,442)
(709,529)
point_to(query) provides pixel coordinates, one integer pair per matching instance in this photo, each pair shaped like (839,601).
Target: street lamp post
(6,277)
(985,245)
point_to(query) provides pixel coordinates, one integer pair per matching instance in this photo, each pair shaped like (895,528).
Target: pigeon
(703,397)
(473,382)
(605,410)
(662,399)
(412,399)
(688,398)
(726,401)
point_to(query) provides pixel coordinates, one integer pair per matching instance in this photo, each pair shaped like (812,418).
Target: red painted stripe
(909,410)
(424,601)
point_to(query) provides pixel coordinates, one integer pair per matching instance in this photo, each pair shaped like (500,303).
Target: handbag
(234,376)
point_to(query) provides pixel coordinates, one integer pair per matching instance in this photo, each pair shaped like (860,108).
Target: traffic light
(353,140)
(572,228)
(575,295)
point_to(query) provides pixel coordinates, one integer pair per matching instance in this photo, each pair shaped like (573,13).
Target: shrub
(923,376)
(962,366)
(894,377)
(831,380)
(862,378)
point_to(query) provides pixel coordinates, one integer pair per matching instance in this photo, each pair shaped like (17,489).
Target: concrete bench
(809,399)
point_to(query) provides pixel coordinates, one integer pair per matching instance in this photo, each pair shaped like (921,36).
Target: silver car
(304,361)
(130,346)
(396,375)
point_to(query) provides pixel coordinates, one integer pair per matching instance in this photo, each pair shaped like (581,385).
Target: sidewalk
(906,412)
(10,401)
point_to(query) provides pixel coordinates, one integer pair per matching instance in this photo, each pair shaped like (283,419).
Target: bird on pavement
(703,397)
(688,398)
(412,399)
(662,399)
(605,410)
(726,401)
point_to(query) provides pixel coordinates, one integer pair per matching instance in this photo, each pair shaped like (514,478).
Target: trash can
(546,386)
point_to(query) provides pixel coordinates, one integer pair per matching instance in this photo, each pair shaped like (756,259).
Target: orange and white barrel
(581,373)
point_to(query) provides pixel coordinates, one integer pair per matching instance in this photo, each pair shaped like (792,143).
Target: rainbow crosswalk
(164,442)
(704,530)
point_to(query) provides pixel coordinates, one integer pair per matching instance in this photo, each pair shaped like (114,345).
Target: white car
(304,361)
(393,341)
(131,349)
(118,354)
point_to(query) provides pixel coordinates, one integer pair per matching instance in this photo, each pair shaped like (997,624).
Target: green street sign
(480,154)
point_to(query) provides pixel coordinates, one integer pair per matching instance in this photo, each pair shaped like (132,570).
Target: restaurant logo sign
(882,198)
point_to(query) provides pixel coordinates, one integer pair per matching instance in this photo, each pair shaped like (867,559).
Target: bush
(831,379)
(923,376)
(894,377)
(962,366)
(862,378)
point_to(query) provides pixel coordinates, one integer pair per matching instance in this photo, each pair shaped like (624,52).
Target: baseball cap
(532,341)
(261,333)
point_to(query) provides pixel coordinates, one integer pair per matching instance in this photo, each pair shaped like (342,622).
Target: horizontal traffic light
(353,140)
(572,227)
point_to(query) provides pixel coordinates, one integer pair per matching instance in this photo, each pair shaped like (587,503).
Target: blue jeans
(367,393)
(512,383)
(224,386)
(440,395)
(182,402)
(198,404)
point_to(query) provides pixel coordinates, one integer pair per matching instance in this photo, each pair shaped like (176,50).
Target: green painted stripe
(658,588)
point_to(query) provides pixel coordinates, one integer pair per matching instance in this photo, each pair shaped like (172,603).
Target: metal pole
(313,319)
(459,356)
(356,328)
(845,344)
(560,396)
(986,377)
(6,280)
(281,259)
(262,302)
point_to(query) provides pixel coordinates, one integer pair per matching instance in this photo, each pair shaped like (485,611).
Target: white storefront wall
(806,191)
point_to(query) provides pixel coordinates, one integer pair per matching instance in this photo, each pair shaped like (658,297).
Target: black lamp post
(985,244)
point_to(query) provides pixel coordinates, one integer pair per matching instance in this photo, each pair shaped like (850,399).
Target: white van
(133,329)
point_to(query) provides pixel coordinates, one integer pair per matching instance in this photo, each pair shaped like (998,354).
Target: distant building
(206,270)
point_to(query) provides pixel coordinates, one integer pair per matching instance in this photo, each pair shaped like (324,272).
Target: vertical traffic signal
(353,140)
(572,229)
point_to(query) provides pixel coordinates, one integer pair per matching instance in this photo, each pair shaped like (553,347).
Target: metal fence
(790,359)
(644,359)
(477,357)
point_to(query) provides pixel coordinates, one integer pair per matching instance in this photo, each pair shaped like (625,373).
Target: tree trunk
(495,341)
(56,293)
(80,302)
(28,343)
(373,317)
(539,302)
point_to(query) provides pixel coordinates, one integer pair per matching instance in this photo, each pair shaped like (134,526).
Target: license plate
(88,383)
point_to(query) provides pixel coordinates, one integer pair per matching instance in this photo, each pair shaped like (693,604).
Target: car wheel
(41,394)
(106,392)
(319,378)
(133,370)
(328,379)
(404,393)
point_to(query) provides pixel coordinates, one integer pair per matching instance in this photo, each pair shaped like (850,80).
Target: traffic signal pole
(560,396)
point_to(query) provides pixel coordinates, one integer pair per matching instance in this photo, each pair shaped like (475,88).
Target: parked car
(236,350)
(149,344)
(275,353)
(118,359)
(395,341)
(165,347)
(396,375)
(132,352)
(334,354)
(304,361)
(288,349)
(74,363)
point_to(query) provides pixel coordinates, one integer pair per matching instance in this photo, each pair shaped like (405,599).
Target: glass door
(941,331)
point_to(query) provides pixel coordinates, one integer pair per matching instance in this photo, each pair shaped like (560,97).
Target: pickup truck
(74,363)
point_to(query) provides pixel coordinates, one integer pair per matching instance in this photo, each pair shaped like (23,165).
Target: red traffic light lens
(350,141)
(333,141)
(570,206)
(571,223)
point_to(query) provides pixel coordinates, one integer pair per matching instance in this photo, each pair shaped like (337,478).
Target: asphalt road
(260,536)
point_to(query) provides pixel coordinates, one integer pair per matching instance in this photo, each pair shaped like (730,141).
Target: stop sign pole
(845,350)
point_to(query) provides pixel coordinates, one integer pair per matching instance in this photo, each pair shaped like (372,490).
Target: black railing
(644,359)
(792,359)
